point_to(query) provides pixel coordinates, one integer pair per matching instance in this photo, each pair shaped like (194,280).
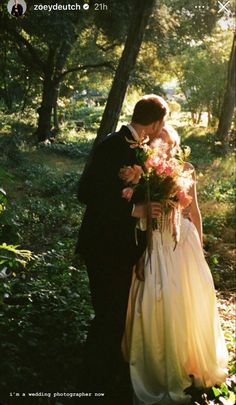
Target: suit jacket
(107,235)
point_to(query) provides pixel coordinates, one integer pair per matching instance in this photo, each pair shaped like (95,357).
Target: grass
(45,309)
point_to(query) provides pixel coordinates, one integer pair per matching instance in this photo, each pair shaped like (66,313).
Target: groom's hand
(140,210)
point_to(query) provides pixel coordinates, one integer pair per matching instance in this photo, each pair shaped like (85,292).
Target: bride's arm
(195,213)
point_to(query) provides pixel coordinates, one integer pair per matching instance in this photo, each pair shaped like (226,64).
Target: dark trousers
(104,368)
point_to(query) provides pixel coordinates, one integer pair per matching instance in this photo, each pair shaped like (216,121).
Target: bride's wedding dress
(173,335)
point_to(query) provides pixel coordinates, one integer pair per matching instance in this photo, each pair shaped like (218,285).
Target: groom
(110,247)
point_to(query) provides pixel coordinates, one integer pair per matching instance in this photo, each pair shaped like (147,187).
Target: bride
(173,337)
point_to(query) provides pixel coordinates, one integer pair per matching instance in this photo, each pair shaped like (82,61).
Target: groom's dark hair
(149,109)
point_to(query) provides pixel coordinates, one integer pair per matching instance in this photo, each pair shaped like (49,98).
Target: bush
(12,259)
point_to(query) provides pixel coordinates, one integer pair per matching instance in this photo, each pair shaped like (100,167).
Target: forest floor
(45,308)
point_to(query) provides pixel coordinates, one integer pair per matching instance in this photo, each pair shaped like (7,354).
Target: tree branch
(106,48)
(84,67)
(32,51)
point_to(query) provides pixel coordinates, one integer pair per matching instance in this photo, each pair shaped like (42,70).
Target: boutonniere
(142,143)
(140,146)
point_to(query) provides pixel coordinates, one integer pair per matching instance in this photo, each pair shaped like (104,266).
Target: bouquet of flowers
(160,177)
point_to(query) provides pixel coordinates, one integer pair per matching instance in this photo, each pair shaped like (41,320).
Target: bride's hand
(140,210)
(156,209)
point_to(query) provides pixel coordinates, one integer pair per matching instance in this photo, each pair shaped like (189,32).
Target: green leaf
(224,389)
(216,391)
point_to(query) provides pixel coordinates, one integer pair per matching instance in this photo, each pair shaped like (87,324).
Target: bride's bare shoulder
(188,166)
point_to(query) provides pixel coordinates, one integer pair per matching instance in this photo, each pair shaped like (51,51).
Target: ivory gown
(173,330)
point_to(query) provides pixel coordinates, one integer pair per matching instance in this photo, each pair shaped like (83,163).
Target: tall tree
(44,44)
(141,13)
(197,68)
(227,109)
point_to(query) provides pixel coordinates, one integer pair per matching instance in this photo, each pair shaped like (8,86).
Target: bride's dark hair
(149,109)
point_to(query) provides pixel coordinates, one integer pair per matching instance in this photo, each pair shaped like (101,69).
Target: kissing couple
(156,330)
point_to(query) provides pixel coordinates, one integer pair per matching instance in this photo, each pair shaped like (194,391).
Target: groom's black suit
(110,247)
(107,233)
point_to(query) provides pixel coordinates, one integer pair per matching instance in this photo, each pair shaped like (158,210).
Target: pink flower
(160,147)
(184,199)
(168,170)
(151,162)
(131,174)
(127,193)
(160,168)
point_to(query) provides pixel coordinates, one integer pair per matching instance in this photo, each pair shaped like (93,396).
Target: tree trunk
(141,13)
(56,127)
(199,117)
(227,109)
(209,116)
(45,110)
(193,116)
